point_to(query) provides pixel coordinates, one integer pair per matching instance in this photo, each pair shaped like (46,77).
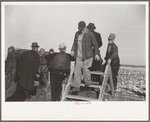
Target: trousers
(56,79)
(79,67)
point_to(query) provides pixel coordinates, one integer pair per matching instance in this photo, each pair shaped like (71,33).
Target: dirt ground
(131,87)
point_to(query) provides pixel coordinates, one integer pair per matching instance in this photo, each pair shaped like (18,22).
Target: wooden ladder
(106,75)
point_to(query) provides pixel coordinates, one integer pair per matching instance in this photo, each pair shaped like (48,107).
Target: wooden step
(80,98)
(96,73)
(97,83)
(92,86)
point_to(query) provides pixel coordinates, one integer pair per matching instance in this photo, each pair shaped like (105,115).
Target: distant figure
(82,50)
(97,65)
(59,69)
(113,59)
(51,51)
(28,66)
(43,68)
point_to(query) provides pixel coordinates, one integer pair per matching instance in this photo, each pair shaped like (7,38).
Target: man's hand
(72,53)
(109,61)
(97,57)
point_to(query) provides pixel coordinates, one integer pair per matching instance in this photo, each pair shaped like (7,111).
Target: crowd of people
(33,66)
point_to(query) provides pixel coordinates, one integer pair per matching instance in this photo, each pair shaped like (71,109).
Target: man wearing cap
(112,58)
(82,50)
(28,66)
(59,69)
(97,65)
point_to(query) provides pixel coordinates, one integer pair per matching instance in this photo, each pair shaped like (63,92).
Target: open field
(131,87)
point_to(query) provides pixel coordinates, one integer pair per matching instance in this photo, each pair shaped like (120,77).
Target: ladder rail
(105,80)
(111,82)
(66,88)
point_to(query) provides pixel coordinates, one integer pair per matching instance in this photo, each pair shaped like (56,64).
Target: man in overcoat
(112,58)
(27,69)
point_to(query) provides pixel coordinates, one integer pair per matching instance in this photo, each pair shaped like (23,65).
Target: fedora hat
(91,27)
(35,44)
(111,36)
(62,46)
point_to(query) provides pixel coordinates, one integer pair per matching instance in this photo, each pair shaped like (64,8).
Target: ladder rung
(96,72)
(92,86)
(80,98)
(95,83)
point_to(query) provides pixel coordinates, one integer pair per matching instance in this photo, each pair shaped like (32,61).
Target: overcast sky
(52,24)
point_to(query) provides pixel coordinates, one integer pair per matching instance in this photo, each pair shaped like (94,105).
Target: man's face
(63,50)
(110,41)
(42,52)
(80,28)
(36,49)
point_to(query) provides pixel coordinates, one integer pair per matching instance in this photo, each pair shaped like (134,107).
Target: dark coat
(97,65)
(59,61)
(98,38)
(43,60)
(29,63)
(113,55)
(88,41)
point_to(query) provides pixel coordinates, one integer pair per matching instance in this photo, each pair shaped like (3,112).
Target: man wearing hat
(29,63)
(112,58)
(59,67)
(91,27)
(82,50)
(97,65)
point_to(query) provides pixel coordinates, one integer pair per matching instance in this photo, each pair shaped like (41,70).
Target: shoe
(74,93)
(75,89)
(108,89)
(97,90)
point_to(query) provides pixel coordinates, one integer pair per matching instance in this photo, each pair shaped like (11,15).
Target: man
(28,66)
(51,51)
(42,68)
(91,27)
(82,50)
(59,69)
(112,58)
(97,65)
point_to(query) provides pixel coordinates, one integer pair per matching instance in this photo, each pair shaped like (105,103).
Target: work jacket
(88,41)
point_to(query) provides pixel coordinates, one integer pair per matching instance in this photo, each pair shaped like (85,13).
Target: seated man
(59,67)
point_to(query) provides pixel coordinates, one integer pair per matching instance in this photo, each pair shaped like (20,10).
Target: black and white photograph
(75,57)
